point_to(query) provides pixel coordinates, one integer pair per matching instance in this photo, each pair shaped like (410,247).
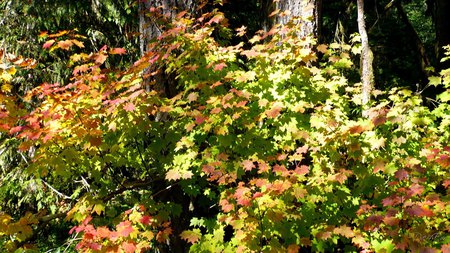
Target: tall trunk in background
(442,22)
(421,52)
(309,12)
(366,60)
(150,29)
(166,85)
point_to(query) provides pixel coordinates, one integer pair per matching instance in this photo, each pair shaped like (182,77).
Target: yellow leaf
(98,209)
(6,87)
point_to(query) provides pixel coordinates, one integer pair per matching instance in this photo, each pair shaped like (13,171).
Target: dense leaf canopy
(260,146)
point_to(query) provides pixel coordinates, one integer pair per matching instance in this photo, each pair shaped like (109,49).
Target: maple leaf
(248,165)
(78,43)
(129,247)
(100,58)
(345,231)
(379,166)
(391,200)
(15,129)
(191,236)
(401,174)
(444,161)
(293,248)
(263,167)
(193,96)
(48,44)
(226,206)
(145,220)
(124,228)
(275,110)
(446,248)
(103,232)
(241,31)
(419,211)
(322,48)
(200,119)
(415,189)
(118,50)
(95,141)
(391,221)
(220,66)
(173,174)
(216,19)
(301,170)
(65,44)
(129,107)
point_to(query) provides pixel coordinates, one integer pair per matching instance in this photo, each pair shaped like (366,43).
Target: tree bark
(423,58)
(442,22)
(366,61)
(150,29)
(309,12)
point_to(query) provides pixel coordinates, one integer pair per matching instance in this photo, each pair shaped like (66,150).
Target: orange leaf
(124,228)
(191,236)
(129,247)
(65,44)
(248,165)
(118,50)
(78,43)
(100,58)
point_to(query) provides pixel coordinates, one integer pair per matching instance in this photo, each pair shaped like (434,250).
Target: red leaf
(391,200)
(263,167)
(401,174)
(417,210)
(15,129)
(118,50)
(220,66)
(124,228)
(199,119)
(145,220)
(415,189)
(446,183)
(446,248)
(444,161)
(48,44)
(391,221)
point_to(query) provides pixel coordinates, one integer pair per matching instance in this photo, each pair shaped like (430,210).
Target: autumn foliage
(264,139)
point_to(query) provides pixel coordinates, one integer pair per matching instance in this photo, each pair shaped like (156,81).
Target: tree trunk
(421,52)
(166,85)
(366,60)
(442,22)
(308,12)
(150,29)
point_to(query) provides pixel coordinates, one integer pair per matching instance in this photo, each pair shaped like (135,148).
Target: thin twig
(62,195)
